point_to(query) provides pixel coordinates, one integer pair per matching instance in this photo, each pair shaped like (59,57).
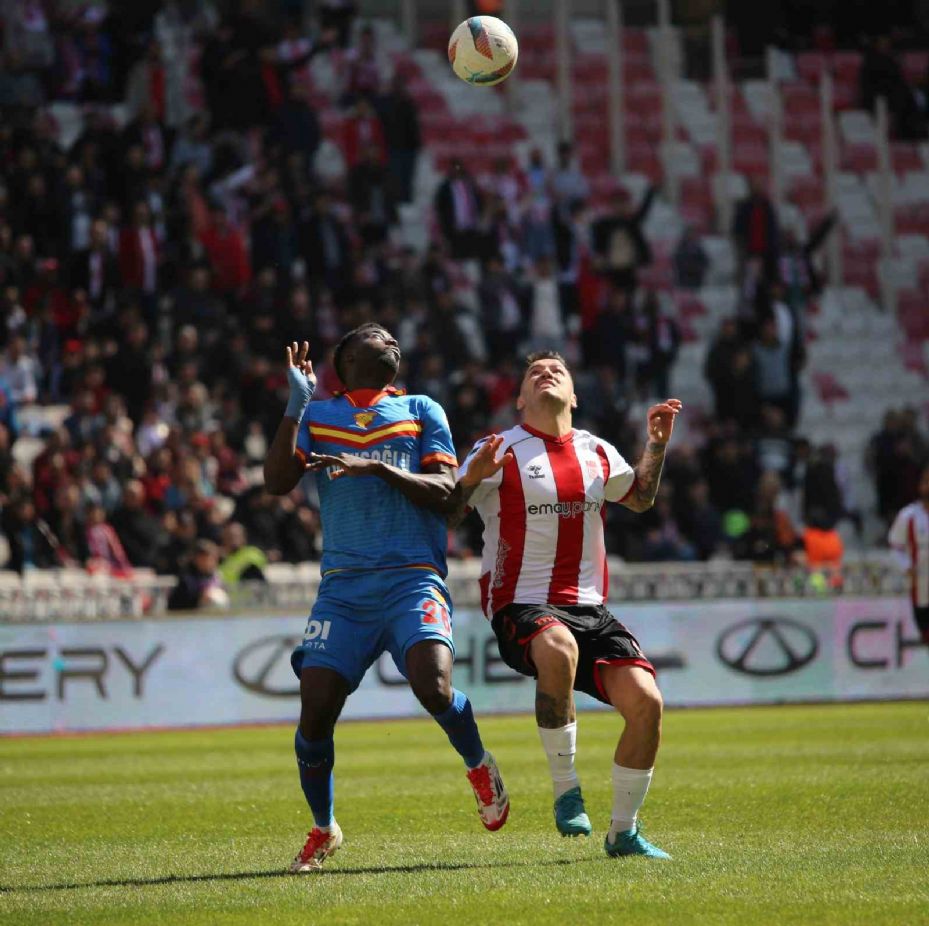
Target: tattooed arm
(648,471)
(647,477)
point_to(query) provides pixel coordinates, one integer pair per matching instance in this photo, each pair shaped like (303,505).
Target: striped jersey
(543,514)
(909,534)
(366,523)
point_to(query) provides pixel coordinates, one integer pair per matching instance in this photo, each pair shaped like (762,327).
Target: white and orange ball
(483,50)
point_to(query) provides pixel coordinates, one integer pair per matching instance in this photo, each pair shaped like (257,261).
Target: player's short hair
(347,339)
(538,355)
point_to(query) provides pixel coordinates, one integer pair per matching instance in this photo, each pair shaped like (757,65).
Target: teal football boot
(570,816)
(632,842)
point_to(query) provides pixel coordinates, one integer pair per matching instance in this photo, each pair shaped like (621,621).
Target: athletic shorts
(360,614)
(601,640)
(921,616)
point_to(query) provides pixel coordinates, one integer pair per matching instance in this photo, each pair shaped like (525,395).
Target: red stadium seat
(810,65)
(806,193)
(913,315)
(434,35)
(845,96)
(805,127)
(861,159)
(846,66)
(749,133)
(590,68)
(750,158)
(638,67)
(912,219)
(829,388)
(698,215)
(636,40)
(799,98)
(905,157)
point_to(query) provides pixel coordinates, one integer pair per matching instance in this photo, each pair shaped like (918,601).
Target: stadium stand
(166,227)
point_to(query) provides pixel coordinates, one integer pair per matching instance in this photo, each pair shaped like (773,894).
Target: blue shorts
(358,615)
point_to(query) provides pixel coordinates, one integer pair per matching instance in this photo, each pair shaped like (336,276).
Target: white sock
(630,785)
(560,744)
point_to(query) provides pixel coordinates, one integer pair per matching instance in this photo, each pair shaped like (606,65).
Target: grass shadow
(277,873)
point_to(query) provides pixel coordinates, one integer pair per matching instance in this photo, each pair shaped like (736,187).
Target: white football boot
(320,844)
(493,803)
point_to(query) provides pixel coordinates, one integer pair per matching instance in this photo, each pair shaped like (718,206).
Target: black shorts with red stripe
(601,640)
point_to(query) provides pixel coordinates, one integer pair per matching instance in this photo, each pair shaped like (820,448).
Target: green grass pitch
(802,815)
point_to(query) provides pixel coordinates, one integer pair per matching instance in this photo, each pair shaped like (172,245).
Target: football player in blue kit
(385,466)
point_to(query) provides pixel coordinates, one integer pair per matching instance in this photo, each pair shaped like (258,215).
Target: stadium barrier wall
(208,670)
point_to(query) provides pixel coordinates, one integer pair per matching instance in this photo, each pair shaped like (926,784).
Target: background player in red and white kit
(541,489)
(909,536)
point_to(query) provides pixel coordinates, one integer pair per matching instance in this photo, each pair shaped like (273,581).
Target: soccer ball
(483,50)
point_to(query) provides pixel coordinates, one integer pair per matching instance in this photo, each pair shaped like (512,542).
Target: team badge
(593,470)
(363,419)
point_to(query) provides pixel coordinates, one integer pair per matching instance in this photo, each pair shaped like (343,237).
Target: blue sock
(457,720)
(315,759)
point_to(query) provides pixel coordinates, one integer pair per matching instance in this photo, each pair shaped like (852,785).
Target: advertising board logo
(263,667)
(767,646)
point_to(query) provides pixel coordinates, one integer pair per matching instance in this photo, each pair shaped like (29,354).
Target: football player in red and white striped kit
(541,490)
(909,537)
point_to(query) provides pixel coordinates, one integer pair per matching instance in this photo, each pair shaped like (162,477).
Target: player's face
(547,383)
(376,352)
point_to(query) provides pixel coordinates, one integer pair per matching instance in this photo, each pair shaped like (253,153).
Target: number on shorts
(436,613)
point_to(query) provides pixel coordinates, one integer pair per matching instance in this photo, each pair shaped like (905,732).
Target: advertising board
(197,671)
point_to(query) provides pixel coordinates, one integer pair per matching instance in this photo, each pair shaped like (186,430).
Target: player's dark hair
(346,340)
(538,355)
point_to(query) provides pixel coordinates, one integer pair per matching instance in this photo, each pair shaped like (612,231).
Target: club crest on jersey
(363,419)
(593,470)
(535,471)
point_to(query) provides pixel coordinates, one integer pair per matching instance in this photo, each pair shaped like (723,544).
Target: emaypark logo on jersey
(565,509)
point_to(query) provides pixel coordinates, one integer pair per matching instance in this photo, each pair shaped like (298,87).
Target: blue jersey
(368,524)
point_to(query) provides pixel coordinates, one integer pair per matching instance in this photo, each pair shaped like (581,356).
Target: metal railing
(27,601)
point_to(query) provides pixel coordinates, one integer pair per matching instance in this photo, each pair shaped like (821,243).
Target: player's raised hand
(300,378)
(661,421)
(485,462)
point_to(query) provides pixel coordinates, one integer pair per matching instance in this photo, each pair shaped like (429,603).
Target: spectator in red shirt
(362,131)
(755,228)
(227,253)
(363,72)
(139,252)
(103,544)
(146,86)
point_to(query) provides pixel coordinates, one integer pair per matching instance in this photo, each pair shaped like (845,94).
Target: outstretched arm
(648,471)
(483,464)
(456,508)
(642,212)
(428,489)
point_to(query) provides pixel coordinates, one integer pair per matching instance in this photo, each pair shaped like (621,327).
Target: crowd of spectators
(152,270)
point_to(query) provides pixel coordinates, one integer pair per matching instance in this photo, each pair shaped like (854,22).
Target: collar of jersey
(564,439)
(365,398)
